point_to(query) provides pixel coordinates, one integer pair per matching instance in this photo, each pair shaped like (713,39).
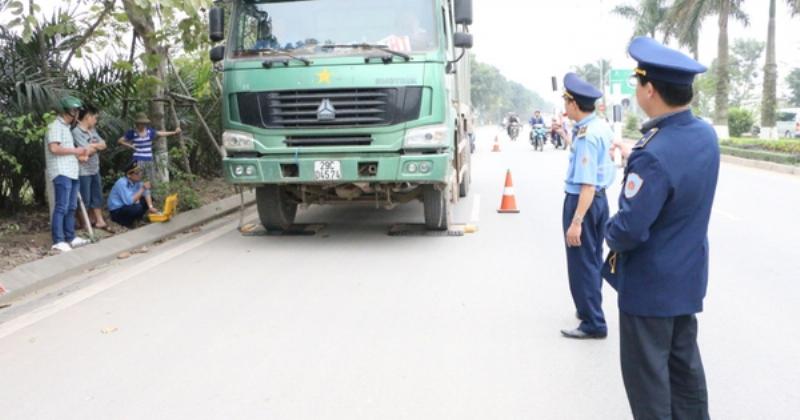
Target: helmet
(70,102)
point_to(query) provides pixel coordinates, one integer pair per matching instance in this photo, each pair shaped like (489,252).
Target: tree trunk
(721,105)
(769,97)
(154,60)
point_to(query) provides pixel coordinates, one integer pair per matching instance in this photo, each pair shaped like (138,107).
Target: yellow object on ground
(170,205)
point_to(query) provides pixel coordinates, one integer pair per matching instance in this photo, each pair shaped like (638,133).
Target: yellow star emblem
(324,77)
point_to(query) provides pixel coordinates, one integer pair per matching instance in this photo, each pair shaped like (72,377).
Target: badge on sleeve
(632,185)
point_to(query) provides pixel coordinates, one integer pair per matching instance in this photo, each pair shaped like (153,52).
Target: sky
(532,40)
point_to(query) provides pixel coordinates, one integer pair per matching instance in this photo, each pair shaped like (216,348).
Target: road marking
(728,215)
(476,208)
(135,271)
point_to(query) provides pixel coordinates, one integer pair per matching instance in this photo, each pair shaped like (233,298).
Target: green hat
(141,118)
(70,102)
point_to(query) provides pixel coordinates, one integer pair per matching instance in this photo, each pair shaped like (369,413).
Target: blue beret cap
(658,62)
(579,89)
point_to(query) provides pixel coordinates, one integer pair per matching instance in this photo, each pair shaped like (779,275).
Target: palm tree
(685,19)
(649,17)
(769,98)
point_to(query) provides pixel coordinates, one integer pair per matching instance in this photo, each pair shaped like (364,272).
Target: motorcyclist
(513,121)
(536,118)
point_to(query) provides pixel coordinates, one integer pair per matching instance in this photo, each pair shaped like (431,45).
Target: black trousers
(662,369)
(126,215)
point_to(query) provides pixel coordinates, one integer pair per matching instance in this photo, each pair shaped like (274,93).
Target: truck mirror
(216,24)
(463,11)
(462,40)
(217,53)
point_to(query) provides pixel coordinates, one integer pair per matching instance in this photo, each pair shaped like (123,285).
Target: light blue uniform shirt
(589,159)
(122,193)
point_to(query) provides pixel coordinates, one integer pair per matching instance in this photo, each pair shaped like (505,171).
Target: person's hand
(147,185)
(153,210)
(178,130)
(574,235)
(623,148)
(83,158)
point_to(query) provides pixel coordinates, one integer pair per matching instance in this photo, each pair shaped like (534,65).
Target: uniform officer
(658,239)
(585,213)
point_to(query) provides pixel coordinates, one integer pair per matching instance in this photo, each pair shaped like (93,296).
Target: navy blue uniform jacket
(659,237)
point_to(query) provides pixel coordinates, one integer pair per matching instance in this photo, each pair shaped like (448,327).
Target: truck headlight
(429,137)
(237,140)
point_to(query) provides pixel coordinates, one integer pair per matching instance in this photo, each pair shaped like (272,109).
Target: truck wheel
(437,207)
(463,187)
(276,209)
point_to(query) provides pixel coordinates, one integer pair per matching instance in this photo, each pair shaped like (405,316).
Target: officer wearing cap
(658,239)
(585,212)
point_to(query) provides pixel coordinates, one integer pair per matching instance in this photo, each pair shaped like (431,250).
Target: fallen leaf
(109,330)
(124,255)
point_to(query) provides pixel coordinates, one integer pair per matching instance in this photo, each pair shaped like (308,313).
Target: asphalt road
(354,324)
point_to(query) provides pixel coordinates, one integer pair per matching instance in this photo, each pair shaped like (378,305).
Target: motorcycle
(513,131)
(558,142)
(538,137)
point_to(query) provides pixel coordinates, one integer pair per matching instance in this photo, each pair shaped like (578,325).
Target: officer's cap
(580,90)
(658,62)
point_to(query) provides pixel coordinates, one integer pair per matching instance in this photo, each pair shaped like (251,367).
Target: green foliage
(632,125)
(649,17)
(793,80)
(788,146)
(760,154)
(745,68)
(494,96)
(740,121)
(183,185)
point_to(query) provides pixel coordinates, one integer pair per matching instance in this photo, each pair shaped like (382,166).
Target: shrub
(631,126)
(740,121)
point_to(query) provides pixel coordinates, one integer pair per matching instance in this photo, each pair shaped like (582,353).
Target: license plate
(327,170)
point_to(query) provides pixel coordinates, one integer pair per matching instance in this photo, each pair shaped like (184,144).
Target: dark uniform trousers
(661,368)
(584,262)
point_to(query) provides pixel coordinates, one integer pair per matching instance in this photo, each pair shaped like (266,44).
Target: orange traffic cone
(509,203)
(496,147)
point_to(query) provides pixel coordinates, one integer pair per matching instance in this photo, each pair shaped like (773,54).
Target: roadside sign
(620,81)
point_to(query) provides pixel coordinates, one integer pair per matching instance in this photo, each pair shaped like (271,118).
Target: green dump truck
(346,101)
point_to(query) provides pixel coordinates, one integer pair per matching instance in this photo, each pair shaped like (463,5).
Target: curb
(44,272)
(762,164)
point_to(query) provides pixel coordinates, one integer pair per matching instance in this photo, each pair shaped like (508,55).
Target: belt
(597,193)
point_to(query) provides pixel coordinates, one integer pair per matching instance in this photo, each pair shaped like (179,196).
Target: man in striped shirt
(140,139)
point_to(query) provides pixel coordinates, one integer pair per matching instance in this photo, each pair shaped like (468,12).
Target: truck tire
(463,187)
(437,207)
(276,209)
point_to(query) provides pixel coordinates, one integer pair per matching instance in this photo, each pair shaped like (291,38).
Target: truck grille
(330,108)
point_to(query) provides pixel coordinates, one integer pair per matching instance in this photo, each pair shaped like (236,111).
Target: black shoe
(577,333)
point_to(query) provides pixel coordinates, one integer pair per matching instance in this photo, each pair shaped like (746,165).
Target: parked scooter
(538,137)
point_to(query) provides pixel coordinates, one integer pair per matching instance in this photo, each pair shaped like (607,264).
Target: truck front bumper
(283,169)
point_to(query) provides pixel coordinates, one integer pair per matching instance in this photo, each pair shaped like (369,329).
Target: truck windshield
(303,27)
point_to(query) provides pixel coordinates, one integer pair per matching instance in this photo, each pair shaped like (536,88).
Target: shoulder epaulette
(646,139)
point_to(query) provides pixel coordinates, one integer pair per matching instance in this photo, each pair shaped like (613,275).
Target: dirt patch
(25,235)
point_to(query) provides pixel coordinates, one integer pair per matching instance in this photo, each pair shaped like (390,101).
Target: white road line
(476,208)
(726,214)
(72,299)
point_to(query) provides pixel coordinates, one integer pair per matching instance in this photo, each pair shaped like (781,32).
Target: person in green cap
(61,157)
(140,139)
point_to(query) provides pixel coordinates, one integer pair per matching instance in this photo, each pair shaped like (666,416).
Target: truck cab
(333,101)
